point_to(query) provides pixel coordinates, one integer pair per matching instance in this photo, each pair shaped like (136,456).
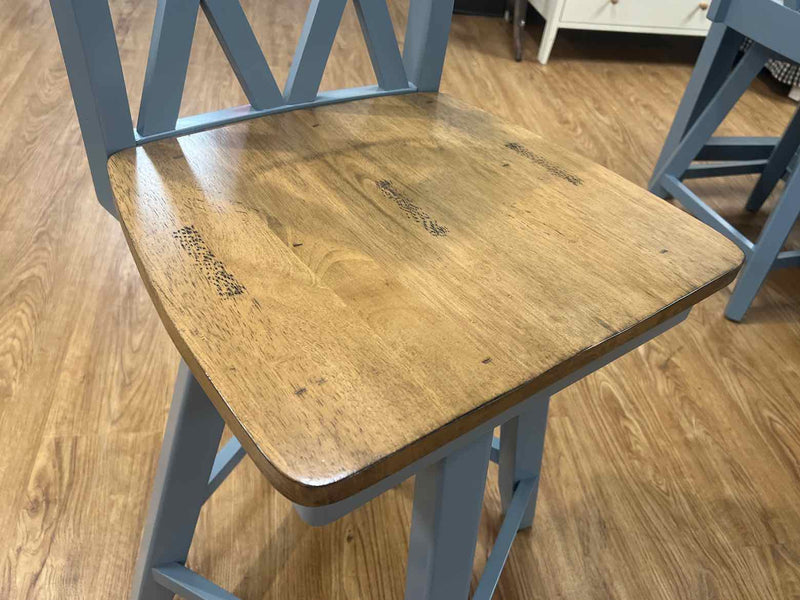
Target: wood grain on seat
(359,284)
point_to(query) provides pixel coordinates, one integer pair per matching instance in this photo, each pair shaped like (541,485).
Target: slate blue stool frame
(448,493)
(714,88)
(450,481)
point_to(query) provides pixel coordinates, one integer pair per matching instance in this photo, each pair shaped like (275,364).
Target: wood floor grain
(674,473)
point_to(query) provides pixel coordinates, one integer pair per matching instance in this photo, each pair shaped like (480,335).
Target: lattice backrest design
(91,56)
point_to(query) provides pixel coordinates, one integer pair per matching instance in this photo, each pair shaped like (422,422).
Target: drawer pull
(703,5)
(614,1)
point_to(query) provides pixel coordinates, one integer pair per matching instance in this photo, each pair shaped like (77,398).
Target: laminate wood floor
(673,473)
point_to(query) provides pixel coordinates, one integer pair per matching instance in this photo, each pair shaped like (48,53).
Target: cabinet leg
(548,39)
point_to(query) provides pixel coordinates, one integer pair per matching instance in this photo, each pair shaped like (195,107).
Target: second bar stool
(715,87)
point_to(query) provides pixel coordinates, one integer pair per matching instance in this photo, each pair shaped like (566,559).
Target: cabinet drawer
(651,14)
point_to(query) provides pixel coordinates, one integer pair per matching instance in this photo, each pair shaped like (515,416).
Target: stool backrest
(89,47)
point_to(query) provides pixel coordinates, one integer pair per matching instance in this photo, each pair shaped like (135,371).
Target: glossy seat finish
(358,284)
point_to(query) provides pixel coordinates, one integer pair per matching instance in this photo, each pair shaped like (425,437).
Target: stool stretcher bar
(785,259)
(789,258)
(523,493)
(188,584)
(226,460)
(725,169)
(705,213)
(737,148)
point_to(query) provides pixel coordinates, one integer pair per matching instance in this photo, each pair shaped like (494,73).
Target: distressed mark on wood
(412,211)
(213,269)
(550,167)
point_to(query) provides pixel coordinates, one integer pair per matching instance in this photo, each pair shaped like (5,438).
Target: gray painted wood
(524,494)
(86,34)
(230,25)
(376,25)
(765,252)
(426,42)
(712,92)
(787,259)
(712,67)
(226,116)
(448,496)
(313,49)
(713,114)
(229,456)
(90,53)
(777,164)
(187,456)
(724,169)
(695,205)
(188,584)
(167,62)
(737,148)
(164,542)
(521,450)
(767,22)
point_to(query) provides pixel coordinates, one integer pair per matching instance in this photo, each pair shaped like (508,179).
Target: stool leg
(520,6)
(521,449)
(448,497)
(776,165)
(769,244)
(194,429)
(712,68)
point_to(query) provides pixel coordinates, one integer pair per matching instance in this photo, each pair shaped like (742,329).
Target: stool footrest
(789,258)
(186,583)
(725,169)
(502,545)
(737,148)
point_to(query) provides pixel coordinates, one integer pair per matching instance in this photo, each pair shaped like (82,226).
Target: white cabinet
(681,17)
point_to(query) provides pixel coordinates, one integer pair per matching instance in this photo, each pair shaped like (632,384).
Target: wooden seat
(358,284)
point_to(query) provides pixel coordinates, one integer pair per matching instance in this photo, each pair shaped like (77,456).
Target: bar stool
(714,88)
(362,291)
